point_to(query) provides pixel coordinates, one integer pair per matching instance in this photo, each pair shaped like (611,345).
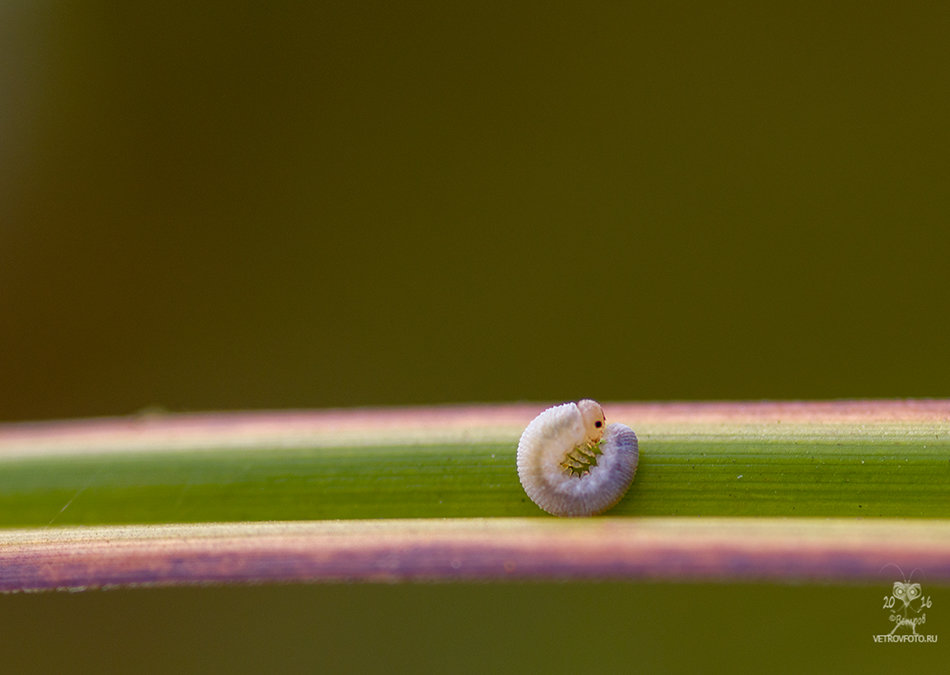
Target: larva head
(594,421)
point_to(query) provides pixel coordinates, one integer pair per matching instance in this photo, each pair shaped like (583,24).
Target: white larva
(570,464)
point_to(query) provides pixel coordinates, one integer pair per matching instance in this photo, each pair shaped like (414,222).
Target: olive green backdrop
(231,205)
(214,205)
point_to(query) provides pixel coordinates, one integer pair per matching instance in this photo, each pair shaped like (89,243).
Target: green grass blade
(453,462)
(765,478)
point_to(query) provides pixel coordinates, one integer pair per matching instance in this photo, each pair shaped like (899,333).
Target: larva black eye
(564,473)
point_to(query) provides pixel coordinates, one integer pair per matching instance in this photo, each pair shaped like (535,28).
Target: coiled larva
(570,464)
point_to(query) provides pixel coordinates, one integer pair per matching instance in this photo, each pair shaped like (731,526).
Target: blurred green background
(258,205)
(501,628)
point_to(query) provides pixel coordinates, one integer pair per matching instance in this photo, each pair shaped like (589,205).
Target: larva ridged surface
(543,447)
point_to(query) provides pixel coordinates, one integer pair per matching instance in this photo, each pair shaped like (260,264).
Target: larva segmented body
(571,464)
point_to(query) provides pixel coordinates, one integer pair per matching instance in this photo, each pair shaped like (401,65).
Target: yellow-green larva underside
(565,472)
